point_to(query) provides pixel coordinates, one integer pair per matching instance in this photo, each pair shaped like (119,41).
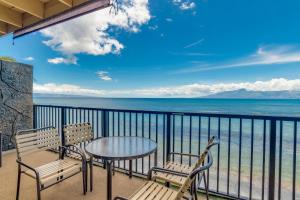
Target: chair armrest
(120,198)
(28,167)
(163,170)
(185,154)
(76,151)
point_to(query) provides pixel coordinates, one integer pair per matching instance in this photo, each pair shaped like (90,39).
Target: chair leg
(205,185)
(38,189)
(91,175)
(113,169)
(84,175)
(18,183)
(195,191)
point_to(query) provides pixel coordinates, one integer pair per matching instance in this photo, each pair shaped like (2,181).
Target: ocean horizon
(274,107)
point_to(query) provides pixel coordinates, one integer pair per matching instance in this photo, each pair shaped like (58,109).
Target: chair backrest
(78,133)
(34,140)
(191,178)
(211,142)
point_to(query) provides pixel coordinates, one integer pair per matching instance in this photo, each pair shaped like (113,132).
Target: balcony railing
(256,158)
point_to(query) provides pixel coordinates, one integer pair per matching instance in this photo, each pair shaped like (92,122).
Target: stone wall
(15,100)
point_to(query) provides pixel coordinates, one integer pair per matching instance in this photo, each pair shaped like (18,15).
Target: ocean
(229,137)
(276,107)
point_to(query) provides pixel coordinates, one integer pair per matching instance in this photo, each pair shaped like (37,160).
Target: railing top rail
(202,114)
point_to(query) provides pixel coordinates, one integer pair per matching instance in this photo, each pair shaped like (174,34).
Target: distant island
(247,94)
(235,94)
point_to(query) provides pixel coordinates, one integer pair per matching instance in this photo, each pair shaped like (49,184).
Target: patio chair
(185,169)
(29,142)
(75,135)
(153,190)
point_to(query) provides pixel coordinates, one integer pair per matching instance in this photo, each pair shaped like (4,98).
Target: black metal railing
(256,158)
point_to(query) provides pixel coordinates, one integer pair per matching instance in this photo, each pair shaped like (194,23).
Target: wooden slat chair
(184,169)
(33,141)
(153,190)
(75,135)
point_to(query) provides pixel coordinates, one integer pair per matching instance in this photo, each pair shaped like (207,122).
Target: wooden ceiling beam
(68,3)
(3,28)
(10,16)
(33,7)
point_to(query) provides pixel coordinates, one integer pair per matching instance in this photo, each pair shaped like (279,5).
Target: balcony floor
(68,189)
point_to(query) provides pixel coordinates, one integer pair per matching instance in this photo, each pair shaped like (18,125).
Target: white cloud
(52,88)
(185,4)
(265,55)
(59,60)
(153,27)
(194,43)
(169,19)
(104,75)
(29,58)
(90,34)
(190,90)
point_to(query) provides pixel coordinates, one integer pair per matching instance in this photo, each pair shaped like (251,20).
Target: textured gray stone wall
(15,100)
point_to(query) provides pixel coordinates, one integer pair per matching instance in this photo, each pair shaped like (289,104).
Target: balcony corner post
(34,116)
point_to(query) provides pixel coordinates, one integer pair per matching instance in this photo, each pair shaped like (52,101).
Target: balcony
(256,158)
(69,189)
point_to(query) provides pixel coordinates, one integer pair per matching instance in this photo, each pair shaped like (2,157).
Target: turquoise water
(282,107)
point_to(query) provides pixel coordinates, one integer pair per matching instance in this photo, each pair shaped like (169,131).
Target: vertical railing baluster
(168,135)
(173,135)
(181,138)
(130,124)
(272,159)
(149,124)
(228,156)
(156,128)
(294,159)
(63,123)
(124,132)
(240,157)
(136,134)
(208,137)
(190,141)
(143,136)
(264,160)
(97,124)
(218,159)
(251,158)
(280,160)
(104,123)
(113,123)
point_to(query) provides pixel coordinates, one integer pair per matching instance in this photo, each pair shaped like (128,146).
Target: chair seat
(174,179)
(154,191)
(55,171)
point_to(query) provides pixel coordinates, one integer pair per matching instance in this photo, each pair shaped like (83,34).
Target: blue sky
(173,48)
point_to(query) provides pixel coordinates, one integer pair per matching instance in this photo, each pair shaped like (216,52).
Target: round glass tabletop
(121,148)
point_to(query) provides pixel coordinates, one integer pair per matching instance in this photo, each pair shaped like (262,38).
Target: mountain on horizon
(234,94)
(247,94)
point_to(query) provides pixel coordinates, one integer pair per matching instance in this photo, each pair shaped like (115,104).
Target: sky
(171,48)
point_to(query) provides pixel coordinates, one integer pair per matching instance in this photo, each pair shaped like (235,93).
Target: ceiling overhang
(21,17)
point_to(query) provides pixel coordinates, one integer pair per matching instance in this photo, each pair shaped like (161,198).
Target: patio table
(111,149)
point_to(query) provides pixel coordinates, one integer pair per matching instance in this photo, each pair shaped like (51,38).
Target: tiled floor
(70,189)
